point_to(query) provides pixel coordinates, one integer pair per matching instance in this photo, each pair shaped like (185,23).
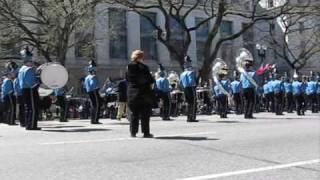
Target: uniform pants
(312,101)
(278,100)
(191,98)
(61,102)
(166,105)
(95,106)
(122,109)
(222,105)
(139,111)
(289,102)
(237,102)
(299,100)
(249,100)
(31,101)
(9,109)
(21,111)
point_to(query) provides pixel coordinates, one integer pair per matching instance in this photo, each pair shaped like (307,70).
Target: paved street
(267,148)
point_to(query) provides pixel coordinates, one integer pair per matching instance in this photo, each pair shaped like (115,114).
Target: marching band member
(29,84)
(297,92)
(278,90)
(60,95)
(311,92)
(92,86)
(221,96)
(140,94)
(7,97)
(19,99)
(247,80)
(236,93)
(288,94)
(163,88)
(188,83)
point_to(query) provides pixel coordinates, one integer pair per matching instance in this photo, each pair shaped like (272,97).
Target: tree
(299,41)
(45,25)
(175,35)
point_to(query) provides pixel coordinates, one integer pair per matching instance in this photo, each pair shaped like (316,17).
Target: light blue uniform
(245,81)
(235,87)
(188,79)
(27,78)
(312,87)
(163,84)
(297,88)
(225,84)
(277,86)
(91,83)
(288,87)
(17,89)
(6,88)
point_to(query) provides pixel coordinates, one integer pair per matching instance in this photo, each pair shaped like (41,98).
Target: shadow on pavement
(77,130)
(188,138)
(62,127)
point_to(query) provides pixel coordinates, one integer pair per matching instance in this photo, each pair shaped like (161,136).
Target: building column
(101,35)
(133,32)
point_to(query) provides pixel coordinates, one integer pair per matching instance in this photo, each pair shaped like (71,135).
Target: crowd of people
(140,91)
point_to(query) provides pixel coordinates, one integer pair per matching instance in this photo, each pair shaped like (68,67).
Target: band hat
(92,68)
(187,62)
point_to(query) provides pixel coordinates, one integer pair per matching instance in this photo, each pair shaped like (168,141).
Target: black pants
(95,106)
(21,111)
(249,100)
(237,103)
(139,111)
(61,102)
(9,109)
(278,100)
(289,102)
(312,102)
(166,105)
(191,98)
(31,103)
(299,100)
(222,106)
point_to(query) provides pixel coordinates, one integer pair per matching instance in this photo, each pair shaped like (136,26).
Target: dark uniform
(19,100)
(61,102)
(188,83)
(92,87)
(163,88)
(8,100)
(140,97)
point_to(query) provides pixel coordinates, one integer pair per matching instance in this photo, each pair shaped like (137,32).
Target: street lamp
(262,51)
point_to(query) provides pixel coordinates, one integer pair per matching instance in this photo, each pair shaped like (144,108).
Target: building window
(272,27)
(148,39)
(226,28)
(201,37)
(118,33)
(248,38)
(84,44)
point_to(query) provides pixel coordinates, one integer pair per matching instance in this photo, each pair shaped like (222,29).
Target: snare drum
(53,75)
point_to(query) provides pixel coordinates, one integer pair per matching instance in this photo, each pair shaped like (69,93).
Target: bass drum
(53,75)
(43,92)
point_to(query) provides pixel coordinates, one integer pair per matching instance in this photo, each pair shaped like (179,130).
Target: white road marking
(122,139)
(248,171)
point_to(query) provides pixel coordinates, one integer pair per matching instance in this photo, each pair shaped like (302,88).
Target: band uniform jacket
(139,84)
